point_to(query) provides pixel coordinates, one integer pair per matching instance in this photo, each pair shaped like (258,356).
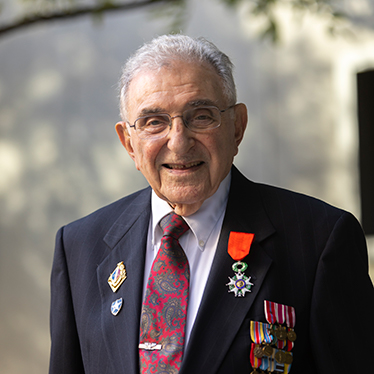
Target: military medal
(239,284)
(117,277)
(268,350)
(238,247)
(116,306)
(291,335)
(278,315)
(281,333)
(280,357)
(260,335)
(258,351)
(283,357)
(267,364)
(255,360)
(272,342)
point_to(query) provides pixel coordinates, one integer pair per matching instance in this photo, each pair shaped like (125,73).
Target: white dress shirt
(199,243)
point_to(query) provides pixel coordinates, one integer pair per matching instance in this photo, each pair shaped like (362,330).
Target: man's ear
(241,119)
(125,138)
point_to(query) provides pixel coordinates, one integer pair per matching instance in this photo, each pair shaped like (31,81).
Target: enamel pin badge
(116,306)
(238,248)
(117,277)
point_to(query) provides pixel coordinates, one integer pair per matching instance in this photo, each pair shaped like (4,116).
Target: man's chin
(185,203)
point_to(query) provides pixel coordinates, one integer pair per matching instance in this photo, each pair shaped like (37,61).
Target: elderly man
(205,271)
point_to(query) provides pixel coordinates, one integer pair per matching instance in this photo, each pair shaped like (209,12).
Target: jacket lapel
(127,238)
(221,313)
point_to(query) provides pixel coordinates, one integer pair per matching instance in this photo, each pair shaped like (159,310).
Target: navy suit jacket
(306,254)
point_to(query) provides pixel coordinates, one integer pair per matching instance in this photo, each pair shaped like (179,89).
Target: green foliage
(266,10)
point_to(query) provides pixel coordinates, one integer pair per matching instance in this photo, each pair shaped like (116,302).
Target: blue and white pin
(116,306)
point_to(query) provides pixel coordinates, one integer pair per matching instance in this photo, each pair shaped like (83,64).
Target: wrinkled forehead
(175,79)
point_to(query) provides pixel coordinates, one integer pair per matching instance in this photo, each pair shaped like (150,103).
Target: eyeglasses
(158,125)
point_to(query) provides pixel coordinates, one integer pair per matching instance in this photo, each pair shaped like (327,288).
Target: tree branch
(72,13)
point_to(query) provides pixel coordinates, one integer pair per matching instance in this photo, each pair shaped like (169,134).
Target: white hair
(161,50)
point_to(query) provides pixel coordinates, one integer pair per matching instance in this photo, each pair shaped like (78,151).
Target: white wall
(60,158)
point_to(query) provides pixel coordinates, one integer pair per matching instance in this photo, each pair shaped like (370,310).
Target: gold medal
(258,352)
(281,333)
(287,358)
(291,335)
(117,277)
(268,351)
(279,357)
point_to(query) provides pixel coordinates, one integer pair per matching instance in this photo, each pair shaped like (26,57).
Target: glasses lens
(200,119)
(152,125)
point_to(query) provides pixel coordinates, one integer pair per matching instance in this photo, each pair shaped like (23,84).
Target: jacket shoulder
(102,219)
(295,201)
(285,206)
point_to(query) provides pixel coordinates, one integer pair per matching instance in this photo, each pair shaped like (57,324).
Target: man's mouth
(183,166)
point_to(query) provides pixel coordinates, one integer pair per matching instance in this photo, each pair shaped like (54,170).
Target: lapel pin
(116,306)
(238,248)
(117,277)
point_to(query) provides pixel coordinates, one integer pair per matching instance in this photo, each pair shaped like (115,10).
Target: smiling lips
(183,166)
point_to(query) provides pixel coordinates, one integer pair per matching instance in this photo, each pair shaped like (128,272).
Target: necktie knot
(173,225)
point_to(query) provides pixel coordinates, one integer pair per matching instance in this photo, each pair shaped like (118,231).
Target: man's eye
(202,117)
(153,123)
(156,121)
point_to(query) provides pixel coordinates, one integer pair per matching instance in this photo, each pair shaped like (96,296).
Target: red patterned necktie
(163,318)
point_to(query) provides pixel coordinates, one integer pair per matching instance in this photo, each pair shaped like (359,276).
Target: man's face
(185,167)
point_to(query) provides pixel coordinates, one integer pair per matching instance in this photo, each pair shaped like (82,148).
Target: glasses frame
(185,124)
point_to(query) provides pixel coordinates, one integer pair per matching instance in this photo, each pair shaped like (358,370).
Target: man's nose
(180,137)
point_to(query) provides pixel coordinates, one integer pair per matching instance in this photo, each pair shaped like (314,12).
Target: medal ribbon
(260,333)
(265,363)
(287,368)
(239,244)
(272,363)
(280,313)
(288,346)
(285,345)
(255,361)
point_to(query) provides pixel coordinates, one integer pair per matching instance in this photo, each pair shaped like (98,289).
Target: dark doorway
(365,96)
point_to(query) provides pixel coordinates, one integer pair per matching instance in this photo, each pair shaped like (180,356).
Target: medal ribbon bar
(279,313)
(260,333)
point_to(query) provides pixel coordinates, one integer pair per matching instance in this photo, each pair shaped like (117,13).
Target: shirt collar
(209,213)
